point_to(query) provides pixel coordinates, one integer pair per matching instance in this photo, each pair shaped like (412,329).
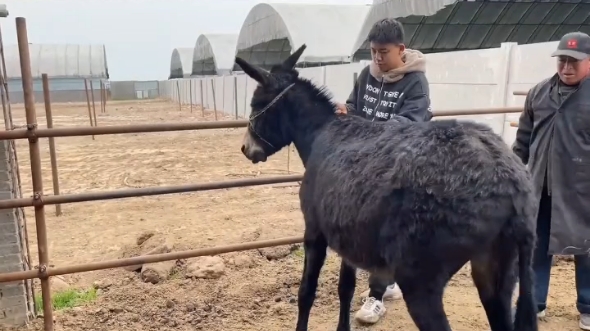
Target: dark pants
(377,286)
(542,263)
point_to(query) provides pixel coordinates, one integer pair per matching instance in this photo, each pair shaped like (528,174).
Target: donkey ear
(291,61)
(254,72)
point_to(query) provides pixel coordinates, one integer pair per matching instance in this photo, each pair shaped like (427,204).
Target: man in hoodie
(392,87)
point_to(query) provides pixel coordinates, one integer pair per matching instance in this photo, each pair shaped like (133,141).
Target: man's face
(571,71)
(387,56)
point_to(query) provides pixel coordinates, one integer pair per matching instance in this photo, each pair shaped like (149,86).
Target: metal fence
(39,201)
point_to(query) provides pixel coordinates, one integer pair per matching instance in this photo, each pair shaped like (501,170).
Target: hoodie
(400,94)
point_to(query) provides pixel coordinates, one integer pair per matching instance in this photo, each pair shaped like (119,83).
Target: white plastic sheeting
(181,62)
(216,49)
(60,61)
(397,8)
(329,31)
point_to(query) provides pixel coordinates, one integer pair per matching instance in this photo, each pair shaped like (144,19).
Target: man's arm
(525,129)
(416,106)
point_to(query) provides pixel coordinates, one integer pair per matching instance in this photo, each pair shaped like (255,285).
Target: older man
(553,138)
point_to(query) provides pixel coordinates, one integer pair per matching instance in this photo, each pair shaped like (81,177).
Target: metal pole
(206,125)
(101,97)
(17,186)
(119,263)
(202,98)
(93,104)
(520,92)
(179,97)
(214,103)
(148,191)
(236,95)
(88,103)
(190,87)
(37,179)
(52,154)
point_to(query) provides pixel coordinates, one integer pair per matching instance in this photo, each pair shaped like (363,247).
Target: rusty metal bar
(148,191)
(52,154)
(520,92)
(30,274)
(190,88)
(93,104)
(179,96)
(88,103)
(164,127)
(37,179)
(119,129)
(214,102)
(202,98)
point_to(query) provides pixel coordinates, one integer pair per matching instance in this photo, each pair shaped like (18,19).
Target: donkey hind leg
(346,286)
(315,255)
(494,275)
(423,290)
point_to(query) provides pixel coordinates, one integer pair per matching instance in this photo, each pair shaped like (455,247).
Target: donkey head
(269,121)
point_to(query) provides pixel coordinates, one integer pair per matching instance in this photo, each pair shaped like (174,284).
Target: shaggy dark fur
(414,200)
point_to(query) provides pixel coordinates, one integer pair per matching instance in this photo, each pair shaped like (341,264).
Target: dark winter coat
(553,138)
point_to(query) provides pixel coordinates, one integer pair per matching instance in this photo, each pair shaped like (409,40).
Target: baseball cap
(574,44)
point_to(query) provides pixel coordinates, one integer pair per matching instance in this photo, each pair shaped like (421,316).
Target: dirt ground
(259,294)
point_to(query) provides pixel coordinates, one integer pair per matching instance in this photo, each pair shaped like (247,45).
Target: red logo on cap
(572,43)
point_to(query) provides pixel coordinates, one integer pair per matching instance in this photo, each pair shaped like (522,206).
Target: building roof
(449,25)
(59,61)
(329,31)
(214,54)
(181,62)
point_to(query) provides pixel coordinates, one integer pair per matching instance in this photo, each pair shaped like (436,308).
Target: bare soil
(259,293)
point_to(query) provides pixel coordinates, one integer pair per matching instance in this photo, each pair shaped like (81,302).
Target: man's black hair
(387,31)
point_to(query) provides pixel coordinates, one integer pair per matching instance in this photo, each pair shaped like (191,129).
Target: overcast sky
(139,35)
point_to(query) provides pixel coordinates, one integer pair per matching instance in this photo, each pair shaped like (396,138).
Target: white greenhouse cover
(182,59)
(329,31)
(397,8)
(59,61)
(220,47)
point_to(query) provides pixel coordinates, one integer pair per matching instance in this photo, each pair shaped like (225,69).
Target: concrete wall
(62,89)
(134,90)
(15,303)
(458,80)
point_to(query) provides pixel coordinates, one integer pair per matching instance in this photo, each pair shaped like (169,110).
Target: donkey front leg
(315,254)
(346,286)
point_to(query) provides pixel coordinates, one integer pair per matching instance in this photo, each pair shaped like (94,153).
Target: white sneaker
(393,292)
(371,311)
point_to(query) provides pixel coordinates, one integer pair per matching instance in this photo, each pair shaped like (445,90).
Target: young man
(553,138)
(392,87)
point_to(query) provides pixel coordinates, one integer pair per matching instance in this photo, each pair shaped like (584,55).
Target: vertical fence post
(88,103)
(101,96)
(36,173)
(246,97)
(52,154)
(236,95)
(93,104)
(190,88)
(178,93)
(214,102)
(202,98)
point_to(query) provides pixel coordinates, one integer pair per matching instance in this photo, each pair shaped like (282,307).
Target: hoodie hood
(413,61)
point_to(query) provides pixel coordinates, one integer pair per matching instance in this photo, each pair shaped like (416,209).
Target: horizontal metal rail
(34,132)
(520,92)
(46,272)
(38,200)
